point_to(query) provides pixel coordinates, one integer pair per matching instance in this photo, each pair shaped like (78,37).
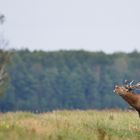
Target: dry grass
(70,125)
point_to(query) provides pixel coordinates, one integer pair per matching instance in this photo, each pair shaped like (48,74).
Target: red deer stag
(127,93)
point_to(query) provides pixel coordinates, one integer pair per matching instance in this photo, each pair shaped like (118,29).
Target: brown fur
(129,96)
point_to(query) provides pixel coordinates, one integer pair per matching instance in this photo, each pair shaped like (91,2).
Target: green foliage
(43,81)
(5,57)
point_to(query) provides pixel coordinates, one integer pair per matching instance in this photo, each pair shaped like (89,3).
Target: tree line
(44,81)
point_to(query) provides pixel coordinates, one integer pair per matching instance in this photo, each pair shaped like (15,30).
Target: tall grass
(70,125)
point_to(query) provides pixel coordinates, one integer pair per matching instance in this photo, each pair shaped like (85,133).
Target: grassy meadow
(70,125)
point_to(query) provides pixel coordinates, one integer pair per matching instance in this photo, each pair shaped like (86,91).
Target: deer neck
(131,98)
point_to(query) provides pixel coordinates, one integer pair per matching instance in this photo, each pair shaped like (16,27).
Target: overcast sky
(94,25)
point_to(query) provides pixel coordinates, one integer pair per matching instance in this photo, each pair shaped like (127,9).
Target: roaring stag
(127,93)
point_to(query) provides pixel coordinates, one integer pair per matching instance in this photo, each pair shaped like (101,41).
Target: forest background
(42,81)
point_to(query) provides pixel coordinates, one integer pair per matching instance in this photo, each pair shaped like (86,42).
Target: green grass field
(70,125)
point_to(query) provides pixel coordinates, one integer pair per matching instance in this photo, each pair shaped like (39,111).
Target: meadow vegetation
(70,125)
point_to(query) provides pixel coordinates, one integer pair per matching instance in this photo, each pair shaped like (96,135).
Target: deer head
(127,93)
(121,90)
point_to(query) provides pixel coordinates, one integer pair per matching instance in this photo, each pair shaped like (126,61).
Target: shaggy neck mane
(132,99)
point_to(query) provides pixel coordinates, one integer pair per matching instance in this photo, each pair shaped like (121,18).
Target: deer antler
(136,86)
(129,85)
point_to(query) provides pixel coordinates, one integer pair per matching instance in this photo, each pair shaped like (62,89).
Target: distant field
(70,125)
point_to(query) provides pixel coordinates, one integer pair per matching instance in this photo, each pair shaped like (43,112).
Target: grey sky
(107,25)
